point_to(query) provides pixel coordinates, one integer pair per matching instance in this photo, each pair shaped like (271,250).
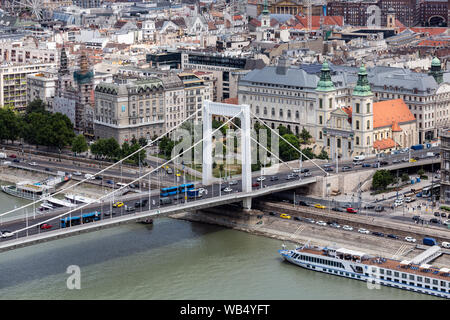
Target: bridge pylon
(228,110)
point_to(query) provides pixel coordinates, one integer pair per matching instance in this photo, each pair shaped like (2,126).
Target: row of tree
(36,126)
(111,150)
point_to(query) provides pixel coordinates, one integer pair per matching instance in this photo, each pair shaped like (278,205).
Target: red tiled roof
(396,127)
(434,43)
(238,17)
(430,31)
(385,113)
(384,144)
(315,21)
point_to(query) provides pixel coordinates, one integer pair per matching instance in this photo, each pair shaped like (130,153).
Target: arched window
(368,124)
(368,141)
(357,141)
(357,125)
(297,114)
(273,111)
(257,109)
(320,135)
(281,113)
(289,113)
(265,111)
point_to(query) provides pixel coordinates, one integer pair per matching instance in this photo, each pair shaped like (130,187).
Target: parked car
(434,220)
(410,239)
(366,165)
(384,163)
(443,215)
(337,209)
(346,227)
(392,236)
(352,210)
(16,160)
(13,156)
(378,234)
(297,218)
(309,220)
(369,206)
(335,225)
(285,216)
(379,208)
(77,173)
(328,169)
(321,223)
(437,214)
(272,213)
(346,168)
(302,203)
(319,206)
(364,231)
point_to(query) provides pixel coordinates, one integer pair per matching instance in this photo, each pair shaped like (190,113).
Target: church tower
(326,101)
(436,70)
(362,114)
(265,19)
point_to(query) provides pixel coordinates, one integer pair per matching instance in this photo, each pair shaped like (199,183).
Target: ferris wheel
(34,7)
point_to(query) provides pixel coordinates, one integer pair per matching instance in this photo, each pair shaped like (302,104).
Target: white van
(445,244)
(89,176)
(359,158)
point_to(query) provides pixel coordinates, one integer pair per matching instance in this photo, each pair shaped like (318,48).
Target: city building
(133,109)
(445,167)
(13,83)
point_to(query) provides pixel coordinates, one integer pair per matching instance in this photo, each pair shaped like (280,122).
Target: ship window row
(412,277)
(318,260)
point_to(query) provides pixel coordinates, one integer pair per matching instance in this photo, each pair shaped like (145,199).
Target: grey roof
(446,77)
(294,77)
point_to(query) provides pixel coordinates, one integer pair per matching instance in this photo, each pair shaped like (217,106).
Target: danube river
(172,259)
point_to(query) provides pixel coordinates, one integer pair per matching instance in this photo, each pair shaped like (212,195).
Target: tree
(79,144)
(282,130)
(287,152)
(307,153)
(405,177)
(381,179)
(10,125)
(305,136)
(421,172)
(323,155)
(37,105)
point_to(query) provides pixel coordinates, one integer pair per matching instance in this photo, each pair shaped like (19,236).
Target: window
(320,120)
(357,108)
(368,108)
(320,103)
(368,124)
(330,101)
(357,125)
(357,141)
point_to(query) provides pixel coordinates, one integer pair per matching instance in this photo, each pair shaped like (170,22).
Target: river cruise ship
(415,275)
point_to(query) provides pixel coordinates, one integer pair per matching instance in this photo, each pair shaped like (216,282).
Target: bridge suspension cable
(124,186)
(290,144)
(101,171)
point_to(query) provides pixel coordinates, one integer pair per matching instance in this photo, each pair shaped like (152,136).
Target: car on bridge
(328,169)
(285,216)
(256,184)
(412,160)
(319,206)
(273,178)
(13,156)
(118,204)
(232,183)
(129,209)
(45,226)
(6,234)
(261,178)
(141,203)
(227,189)
(307,174)
(290,177)
(32,163)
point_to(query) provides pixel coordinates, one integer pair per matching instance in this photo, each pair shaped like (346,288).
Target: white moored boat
(415,275)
